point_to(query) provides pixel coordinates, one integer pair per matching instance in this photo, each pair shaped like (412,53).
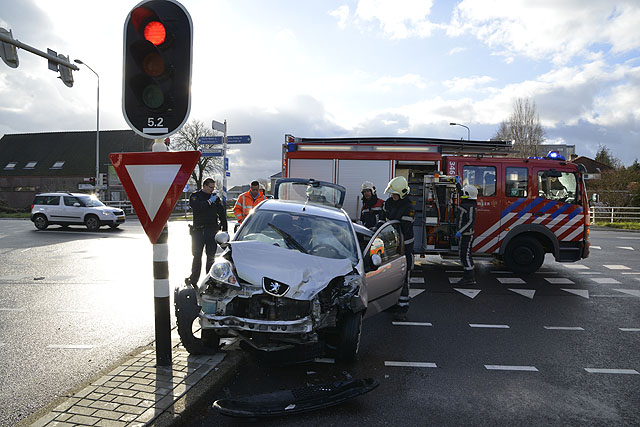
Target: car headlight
(107,213)
(223,272)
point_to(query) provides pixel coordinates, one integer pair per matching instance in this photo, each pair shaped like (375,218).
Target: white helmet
(469,192)
(368,185)
(399,186)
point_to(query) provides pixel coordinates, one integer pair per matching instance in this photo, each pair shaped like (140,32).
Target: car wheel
(92,222)
(349,330)
(40,221)
(114,226)
(524,255)
(187,310)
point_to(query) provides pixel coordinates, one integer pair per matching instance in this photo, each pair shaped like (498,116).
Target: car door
(385,281)
(71,212)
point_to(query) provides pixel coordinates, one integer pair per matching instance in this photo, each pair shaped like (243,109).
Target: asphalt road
(559,347)
(73,302)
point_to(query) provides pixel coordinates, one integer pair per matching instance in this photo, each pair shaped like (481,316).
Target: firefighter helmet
(368,185)
(469,192)
(399,186)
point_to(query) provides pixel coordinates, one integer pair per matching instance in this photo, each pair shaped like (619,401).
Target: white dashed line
(589,272)
(410,364)
(71,346)
(628,248)
(630,329)
(483,325)
(611,296)
(630,273)
(605,280)
(576,266)
(616,267)
(564,328)
(411,323)
(559,280)
(595,247)
(511,368)
(324,360)
(510,280)
(612,371)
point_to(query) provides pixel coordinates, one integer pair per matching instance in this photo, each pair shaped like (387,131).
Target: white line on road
(324,360)
(628,238)
(595,247)
(410,364)
(416,280)
(71,346)
(634,292)
(564,328)
(616,267)
(589,272)
(630,329)
(605,280)
(12,309)
(576,266)
(630,273)
(511,368)
(612,371)
(510,280)
(629,248)
(482,325)
(559,280)
(411,323)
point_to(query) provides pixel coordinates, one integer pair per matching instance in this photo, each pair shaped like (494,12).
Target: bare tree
(523,128)
(187,140)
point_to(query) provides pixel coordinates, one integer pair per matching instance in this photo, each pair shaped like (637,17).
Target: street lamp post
(77,61)
(468,131)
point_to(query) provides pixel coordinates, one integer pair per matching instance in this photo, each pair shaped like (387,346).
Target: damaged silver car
(297,273)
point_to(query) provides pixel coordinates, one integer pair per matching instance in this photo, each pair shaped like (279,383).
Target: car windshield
(305,192)
(90,202)
(315,235)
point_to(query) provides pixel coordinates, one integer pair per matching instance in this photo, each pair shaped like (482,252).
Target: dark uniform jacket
(207,215)
(401,210)
(467,216)
(372,215)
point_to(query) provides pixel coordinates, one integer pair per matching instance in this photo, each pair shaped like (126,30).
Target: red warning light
(155,33)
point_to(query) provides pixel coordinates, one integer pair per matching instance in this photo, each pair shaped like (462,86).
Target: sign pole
(224,161)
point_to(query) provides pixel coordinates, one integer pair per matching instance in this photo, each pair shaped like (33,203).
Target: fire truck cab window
(559,186)
(516,182)
(483,177)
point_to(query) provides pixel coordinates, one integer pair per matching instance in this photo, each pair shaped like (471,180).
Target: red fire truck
(526,207)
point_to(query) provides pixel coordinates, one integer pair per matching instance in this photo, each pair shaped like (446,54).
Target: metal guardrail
(614,214)
(128,209)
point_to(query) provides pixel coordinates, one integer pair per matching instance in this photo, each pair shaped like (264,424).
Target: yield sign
(154,182)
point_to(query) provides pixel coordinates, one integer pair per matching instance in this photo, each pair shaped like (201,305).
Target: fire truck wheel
(524,255)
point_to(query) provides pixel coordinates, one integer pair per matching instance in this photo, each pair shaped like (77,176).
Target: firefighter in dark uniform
(467,211)
(209,216)
(399,207)
(371,214)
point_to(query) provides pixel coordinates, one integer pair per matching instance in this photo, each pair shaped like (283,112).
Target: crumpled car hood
(305,274)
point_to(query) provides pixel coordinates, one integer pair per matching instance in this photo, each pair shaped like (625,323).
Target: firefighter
(246,202)
(209,216)
(400,208)
(371,215)
(466,230)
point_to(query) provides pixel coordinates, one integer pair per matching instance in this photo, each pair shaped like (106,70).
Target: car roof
(63,193)
(300,208)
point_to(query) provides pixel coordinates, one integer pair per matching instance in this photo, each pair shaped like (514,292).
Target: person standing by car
(399,207)
(209,216)
(466,230)
(371,214)
(247,201)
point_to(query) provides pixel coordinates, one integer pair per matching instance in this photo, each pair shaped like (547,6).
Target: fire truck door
(484,178)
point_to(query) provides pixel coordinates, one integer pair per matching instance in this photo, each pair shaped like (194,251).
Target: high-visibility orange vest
(244,204)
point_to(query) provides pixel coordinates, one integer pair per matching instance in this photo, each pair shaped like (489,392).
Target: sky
(325,68)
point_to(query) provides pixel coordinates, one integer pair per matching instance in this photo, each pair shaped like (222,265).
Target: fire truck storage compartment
(318,169)
(351,175)
(439,213)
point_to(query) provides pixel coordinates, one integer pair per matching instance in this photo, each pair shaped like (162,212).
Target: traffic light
(92,181)
(156,86)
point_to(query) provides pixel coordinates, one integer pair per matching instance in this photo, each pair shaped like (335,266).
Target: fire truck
(526,207)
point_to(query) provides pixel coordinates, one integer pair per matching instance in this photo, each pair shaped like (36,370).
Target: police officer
(371,214)
(466,230)
(400,208)
(209,216)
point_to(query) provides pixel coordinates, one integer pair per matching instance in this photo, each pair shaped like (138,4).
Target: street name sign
(210,150)
(239,139)
(210,140)
(154,182)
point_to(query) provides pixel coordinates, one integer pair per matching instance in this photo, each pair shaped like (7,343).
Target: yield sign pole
(154,182)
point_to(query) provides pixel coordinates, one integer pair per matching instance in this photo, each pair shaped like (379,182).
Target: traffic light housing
(92,181)
(156,84)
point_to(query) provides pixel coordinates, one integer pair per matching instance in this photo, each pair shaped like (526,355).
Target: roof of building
(591,165)
(64,153)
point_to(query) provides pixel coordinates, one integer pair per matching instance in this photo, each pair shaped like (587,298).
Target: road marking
(559,280)
(511,368)
(564,328)
(612,371)
(630,273)
(576,266)
(410,364)
(595,247)
(411,323)
(605,280)
(483,325)
(634,292)
(628,238)
(529,293)
(12,309)
(510,280)
(453,280)
(611,296)
(589,272)
(616,267)
(471,293)
(324,360)
(629,248)
(71,346)
(416,280)
(580,292)
(415,292)
(630,329)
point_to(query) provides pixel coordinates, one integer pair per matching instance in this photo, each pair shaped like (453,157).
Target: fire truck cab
(526,207)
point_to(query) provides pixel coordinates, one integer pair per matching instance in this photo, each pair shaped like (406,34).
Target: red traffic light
(155,33)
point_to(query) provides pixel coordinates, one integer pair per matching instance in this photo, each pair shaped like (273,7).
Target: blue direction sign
(226,163)
(210,140)
(228,174)
(239,139)
(210,150)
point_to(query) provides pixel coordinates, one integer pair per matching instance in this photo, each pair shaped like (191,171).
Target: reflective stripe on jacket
(244,204)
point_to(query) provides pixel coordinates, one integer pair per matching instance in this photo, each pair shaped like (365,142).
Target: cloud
(342,14)
(457,50)
(398,21)
(461,84)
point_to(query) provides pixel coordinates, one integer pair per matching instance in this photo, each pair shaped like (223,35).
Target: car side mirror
(222,238)
(376,260)
(76,204)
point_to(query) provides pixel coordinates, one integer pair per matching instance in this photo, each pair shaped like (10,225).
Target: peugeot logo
(273,287)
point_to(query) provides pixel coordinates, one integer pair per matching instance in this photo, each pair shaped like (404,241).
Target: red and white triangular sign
(154,182)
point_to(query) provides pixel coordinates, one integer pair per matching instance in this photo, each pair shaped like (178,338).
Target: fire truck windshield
(563,188)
